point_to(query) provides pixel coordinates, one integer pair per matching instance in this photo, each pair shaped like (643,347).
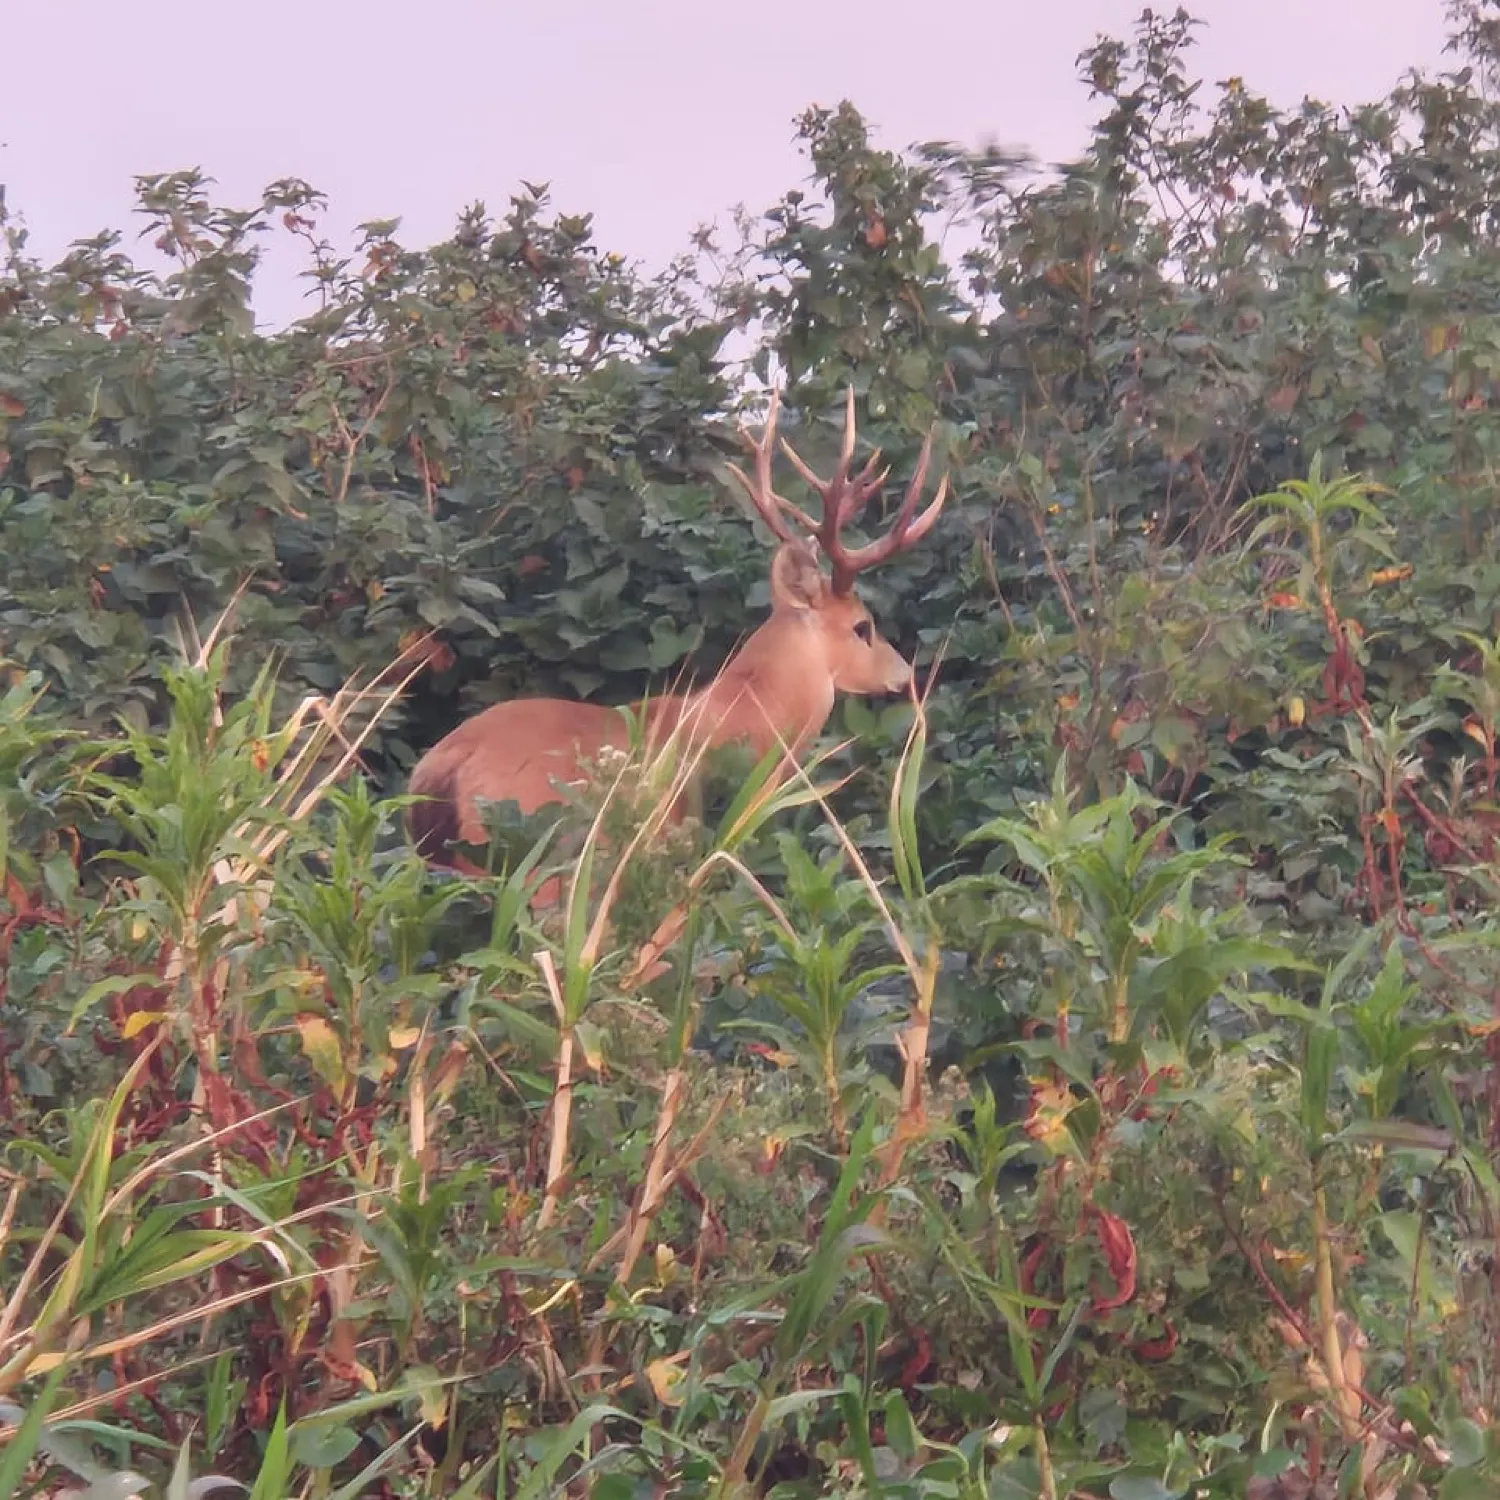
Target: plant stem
(914,1040)
(1346,1401)
(1044,1461)
(837,1118)
(562,1097)
(734,1471)
(652,1189)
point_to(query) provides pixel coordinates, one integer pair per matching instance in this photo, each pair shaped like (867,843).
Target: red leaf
(1158,1349)
(1119,1252)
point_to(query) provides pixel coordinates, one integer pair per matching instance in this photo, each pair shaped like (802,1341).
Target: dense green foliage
(1097,1093)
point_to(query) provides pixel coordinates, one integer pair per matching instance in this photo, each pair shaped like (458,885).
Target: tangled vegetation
(1083,1081)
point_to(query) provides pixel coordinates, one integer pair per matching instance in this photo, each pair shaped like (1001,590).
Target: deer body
(780,686)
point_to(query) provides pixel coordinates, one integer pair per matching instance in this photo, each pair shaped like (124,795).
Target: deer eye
(865,631)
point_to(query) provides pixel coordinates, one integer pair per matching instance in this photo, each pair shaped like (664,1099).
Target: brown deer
(778,687)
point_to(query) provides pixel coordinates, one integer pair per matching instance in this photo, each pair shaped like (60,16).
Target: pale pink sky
(654,115)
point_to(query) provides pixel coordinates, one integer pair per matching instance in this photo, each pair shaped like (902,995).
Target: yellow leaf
(1296,710)
(433,1401)
(1475,731)
(1052,1103)
(666,1381)
(666,1263)
(465,290)
(1439,338)
(402,1037)
(320,1043)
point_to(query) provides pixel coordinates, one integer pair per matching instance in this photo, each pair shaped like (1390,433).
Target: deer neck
(778,684)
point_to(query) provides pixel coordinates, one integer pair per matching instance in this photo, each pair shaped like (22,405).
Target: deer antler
(843,497)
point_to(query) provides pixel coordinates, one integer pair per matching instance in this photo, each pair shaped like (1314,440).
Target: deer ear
(797,582)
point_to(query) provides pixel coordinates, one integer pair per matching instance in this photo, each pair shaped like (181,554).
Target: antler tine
(843,498)
(773,508)
(867,482)
(906,530)
(847,453)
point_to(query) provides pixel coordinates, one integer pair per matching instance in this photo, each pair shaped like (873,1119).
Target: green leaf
(1141,1487)
(900,1429)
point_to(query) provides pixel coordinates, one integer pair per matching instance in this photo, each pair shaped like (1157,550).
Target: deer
(778,688)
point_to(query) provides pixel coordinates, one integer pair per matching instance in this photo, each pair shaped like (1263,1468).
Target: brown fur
(782,683)
(434,820)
